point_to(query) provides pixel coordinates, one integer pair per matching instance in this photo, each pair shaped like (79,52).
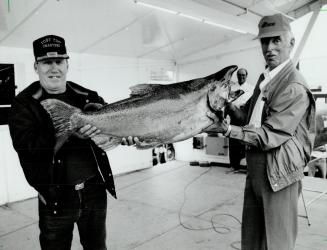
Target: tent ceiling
(124,28)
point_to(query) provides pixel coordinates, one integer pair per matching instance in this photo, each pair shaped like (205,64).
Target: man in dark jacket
(72,182)
(278,130)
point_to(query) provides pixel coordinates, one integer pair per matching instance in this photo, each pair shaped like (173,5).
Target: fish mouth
(219,91)
(226,74)
(228,81)
(223,76)
(230,71)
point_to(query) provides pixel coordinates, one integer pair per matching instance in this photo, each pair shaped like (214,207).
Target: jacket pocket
(287,158)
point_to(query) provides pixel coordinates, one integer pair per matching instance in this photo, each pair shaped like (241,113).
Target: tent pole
(306,34)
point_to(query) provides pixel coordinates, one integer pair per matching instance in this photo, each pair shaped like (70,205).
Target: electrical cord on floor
(217,229)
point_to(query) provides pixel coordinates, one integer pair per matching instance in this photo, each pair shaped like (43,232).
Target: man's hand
(92,107)
(229,108)
(218,126)
(130,141)
(87,131)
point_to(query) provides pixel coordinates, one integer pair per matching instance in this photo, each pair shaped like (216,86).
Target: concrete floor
(150,203)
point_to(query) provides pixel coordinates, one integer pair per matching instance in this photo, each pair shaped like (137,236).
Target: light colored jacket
(287,132)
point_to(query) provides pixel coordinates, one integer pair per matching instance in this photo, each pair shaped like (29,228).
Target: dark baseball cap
(49,46)
(275,25)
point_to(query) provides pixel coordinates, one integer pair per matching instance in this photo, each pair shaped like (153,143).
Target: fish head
(219,91)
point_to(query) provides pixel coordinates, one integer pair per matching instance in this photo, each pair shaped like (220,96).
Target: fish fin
(147,144)
(108,142)
(233,95)
(62,116)
(196,83)
(92,107)
(143,89)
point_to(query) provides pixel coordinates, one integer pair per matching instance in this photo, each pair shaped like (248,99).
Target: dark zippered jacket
(33,138)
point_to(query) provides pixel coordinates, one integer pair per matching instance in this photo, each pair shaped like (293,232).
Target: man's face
(241,76)
(52,74)
(277,49)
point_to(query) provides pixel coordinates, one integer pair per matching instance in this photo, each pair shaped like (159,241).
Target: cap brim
(42,58)
(269,34)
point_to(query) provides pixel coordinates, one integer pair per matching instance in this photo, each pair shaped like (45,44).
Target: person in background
(278,128)
(72,183)
(162,154)
(317,163)
(236,148)
(155,156)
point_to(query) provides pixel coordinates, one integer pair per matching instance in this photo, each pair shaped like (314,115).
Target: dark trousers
(269,219)
(236,153)
(87,208)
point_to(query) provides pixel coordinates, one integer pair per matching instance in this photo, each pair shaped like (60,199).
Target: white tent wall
(13,185)
(110,76)
(313,59)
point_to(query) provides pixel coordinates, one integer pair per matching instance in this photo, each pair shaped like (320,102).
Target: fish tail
(65,118)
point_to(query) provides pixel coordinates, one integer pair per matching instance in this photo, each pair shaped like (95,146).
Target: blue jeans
(87,208)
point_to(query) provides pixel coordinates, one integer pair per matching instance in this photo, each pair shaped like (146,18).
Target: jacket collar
(282,73)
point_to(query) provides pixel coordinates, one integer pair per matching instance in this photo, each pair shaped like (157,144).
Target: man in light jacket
(278,128)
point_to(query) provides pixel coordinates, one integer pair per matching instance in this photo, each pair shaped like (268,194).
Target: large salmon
(154,113)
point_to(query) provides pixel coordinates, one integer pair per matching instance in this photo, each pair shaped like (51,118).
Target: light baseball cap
(275,25)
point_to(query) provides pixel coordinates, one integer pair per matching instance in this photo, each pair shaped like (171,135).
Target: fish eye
(225,85)
(213,87)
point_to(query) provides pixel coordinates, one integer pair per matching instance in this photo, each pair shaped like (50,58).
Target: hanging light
(178,13)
